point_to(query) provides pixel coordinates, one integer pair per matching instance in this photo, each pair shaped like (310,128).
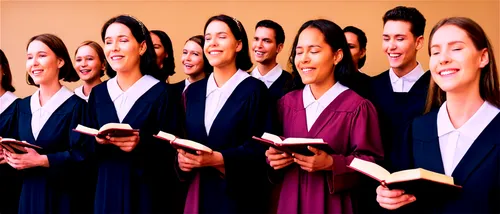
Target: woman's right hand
(102,140)
(278,159)
(393,199)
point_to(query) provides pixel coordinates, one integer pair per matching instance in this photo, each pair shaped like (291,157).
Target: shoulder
(424,121)
(292,99)
(350,101)
(381,77)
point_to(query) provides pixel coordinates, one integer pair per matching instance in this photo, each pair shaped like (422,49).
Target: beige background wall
(76,21)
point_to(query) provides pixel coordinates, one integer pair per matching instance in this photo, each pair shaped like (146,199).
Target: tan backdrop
(76,21)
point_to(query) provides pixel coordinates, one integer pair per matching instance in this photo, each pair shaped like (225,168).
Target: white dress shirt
(6,99)
(40,114)
(79,93)
(315,107)
(124,100)
(404,83)
(454,143)
(217,96)
(270,77)
(186,84)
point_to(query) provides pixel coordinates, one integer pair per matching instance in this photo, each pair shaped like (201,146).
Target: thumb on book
(314,150)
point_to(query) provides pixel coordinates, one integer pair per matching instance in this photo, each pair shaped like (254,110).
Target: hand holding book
(393,199)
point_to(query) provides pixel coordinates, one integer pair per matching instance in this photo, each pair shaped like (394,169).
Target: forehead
(118,29)
(265,32)
(217,27)
(311,36)
(449,33)
(190,45)
(86,50)
(155,38)
(351,37)
(392,27)
(36,46)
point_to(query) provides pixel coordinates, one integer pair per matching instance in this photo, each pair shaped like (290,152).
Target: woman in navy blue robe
(458,136)
(223,112)
(46,119)
(8,101)
(135,174)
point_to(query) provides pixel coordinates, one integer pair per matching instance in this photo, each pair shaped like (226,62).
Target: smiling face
(122,50)
(87,63)
(192,58)
(400,45)
(42,64)
(264,45)
(455,62)
(221,46)
(314,58)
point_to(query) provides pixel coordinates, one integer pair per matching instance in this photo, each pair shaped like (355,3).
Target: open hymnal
(110,129)
(294,145)
(16,146)
(187,145)
(411,180)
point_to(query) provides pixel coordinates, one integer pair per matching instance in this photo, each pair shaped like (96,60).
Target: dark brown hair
(67,72)
(488,82)
(7,75)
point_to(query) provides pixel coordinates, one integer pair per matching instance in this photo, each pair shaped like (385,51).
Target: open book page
(184,142)
(115,126)
(369,168)
(414,174)
(302,140)
(84,129)
(271,137)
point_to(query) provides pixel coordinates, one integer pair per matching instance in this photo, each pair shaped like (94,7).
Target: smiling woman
(50,175)
(135,174)
(89,64)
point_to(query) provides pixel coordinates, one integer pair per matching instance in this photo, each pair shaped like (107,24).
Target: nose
(115,46)
(304,58)
(392,44)
(444,58)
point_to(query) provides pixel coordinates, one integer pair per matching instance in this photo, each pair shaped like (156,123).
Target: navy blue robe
(396,111)
(53,189)
(281,86)
(478,172)
(245,114)
(142,181)
(9,199)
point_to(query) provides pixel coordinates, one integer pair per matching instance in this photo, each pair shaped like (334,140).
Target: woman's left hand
(319,161)
(28,160)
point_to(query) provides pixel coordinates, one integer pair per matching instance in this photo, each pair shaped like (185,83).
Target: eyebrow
(216,33)
(449,43)
(396,35)
(119,36)
(310,46)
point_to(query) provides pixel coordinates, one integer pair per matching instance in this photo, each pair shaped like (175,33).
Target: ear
(103,66)
(279,48)
(485,58)
(339,54)
(60,63)
(143,47)
(363,53)
(166,55)
(419,42)
(239,47)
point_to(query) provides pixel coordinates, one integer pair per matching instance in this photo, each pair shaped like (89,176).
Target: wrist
(330,162)
(43,161)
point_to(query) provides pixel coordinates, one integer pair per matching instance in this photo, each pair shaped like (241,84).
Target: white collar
(412,76)
(135,91)
(270,77)
(473,127)
(6,99)
(326,98)
(230,84)
(79,93)
(53,103)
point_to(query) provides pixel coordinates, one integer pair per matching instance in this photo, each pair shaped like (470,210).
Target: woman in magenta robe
(326,108)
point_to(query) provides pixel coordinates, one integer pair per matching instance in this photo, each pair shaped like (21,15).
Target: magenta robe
(350,126)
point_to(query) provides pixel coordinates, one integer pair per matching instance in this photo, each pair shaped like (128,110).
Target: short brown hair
(98,49)
(488,82)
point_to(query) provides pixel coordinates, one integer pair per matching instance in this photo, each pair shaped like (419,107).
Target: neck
(196,77)
(88,85)
(462,106)
(47,91)
(400,72)
(127,79)
(2,91)
(223,74)
(264,68)
(318,89)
